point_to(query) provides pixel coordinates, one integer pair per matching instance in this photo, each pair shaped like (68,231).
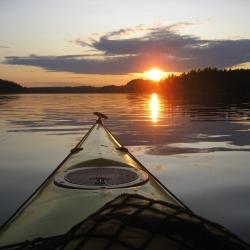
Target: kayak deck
(67,197)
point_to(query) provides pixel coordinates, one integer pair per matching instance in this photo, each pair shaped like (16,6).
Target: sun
(155,74)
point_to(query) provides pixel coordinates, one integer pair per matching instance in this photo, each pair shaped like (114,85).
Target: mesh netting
(136,222)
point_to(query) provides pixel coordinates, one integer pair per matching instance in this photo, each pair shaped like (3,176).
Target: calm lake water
(200,152)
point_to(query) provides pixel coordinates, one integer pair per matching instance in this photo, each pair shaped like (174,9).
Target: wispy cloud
(138,48)
(4,47)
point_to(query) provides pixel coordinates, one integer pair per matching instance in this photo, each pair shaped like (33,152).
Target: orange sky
(60,42)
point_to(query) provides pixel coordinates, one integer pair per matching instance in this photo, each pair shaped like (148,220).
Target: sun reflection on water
(154,107)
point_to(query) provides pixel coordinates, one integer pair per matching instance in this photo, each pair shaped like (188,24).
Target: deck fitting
(75,150)
(123,149)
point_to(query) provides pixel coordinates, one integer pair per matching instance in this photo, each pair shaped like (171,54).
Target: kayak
(96,171)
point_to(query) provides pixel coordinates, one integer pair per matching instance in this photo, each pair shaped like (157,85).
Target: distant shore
(196,83)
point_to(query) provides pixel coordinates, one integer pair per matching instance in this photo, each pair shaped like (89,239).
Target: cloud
(4,47)
(72,64)
(138,48)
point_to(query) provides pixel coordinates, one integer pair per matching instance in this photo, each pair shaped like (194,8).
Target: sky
(96,42)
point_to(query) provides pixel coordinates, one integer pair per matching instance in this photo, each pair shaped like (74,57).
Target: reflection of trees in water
(180,120)
(131,117)
(220,111)
(205,109)
(7,98)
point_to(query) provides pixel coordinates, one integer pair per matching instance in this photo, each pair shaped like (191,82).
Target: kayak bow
(96,171)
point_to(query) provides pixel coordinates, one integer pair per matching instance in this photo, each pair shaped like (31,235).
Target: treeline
(209,83)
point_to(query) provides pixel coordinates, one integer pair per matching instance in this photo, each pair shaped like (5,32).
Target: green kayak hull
(96,171)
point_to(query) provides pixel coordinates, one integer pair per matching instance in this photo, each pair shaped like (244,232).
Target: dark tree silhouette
(10,87)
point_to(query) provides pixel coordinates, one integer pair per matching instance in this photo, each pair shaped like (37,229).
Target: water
(200,152)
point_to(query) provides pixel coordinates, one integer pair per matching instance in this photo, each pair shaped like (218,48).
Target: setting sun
(155,74)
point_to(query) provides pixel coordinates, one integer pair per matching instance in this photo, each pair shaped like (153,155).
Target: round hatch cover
(101,177)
